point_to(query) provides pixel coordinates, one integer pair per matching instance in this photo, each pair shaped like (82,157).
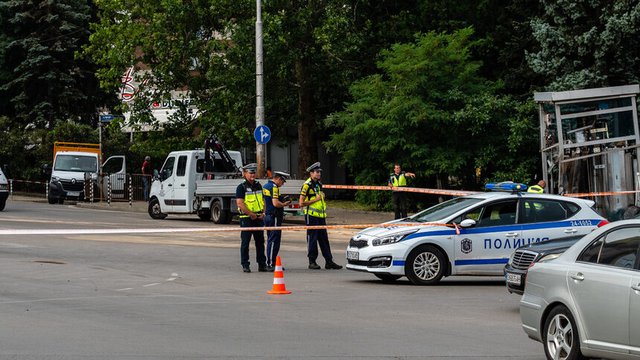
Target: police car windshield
(444,210)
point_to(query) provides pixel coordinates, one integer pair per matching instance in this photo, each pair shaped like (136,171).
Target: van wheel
(204,215)
(155,211)
(219,215)
(51,200)
(2,205)
(425,265)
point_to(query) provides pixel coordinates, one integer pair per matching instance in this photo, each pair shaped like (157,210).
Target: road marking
(153,284)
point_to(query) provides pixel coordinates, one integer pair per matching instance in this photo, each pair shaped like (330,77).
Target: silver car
(586,302)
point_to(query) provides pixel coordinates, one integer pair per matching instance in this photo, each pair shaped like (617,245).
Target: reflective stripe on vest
(318,208)
(399,181)
(254,201)
(536,189)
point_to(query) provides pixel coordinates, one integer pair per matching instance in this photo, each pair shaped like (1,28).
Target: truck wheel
(155,211)
(51,200)
(425,265)
(2,205)
(204,215)
(219,215)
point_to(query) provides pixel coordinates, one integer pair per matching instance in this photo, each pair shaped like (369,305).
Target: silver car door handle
(577,277)
(571,231)
(636,287)
(511,234)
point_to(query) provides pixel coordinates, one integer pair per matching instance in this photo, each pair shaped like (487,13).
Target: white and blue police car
(468,235)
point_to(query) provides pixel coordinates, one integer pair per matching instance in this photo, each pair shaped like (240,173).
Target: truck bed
(227,187)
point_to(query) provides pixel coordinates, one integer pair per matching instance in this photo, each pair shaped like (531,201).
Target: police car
(468,235)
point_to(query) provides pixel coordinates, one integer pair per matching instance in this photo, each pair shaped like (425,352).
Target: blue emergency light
(505,186)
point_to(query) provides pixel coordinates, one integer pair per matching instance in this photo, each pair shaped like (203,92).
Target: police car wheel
(388,277)
(425,265)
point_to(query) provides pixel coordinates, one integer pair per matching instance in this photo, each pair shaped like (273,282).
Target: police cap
(281,174)
(314,167)
(250,168)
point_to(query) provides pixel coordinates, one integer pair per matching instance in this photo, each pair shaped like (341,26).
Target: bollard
(91,191)
(108,190)
(46,190)
(130,192)
(11,187)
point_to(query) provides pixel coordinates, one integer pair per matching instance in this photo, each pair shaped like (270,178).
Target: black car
(515,271)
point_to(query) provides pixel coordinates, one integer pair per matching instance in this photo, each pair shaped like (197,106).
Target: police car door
(545,219)
(483,249)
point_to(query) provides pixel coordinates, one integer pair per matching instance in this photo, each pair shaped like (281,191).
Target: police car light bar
(505,186)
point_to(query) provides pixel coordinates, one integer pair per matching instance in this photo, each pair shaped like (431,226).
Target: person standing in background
(397,180)
(146,176)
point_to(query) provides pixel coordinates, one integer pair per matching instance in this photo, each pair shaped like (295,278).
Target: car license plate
(73,193)
(352,255)
(513,279)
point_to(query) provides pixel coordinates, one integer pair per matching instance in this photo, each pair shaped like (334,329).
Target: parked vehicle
(586,302)
(76,167)
(194,182)
(515,272)
(468,235)
(4,190)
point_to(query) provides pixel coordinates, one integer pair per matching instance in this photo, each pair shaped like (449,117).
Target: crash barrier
(207,229)
(107,187)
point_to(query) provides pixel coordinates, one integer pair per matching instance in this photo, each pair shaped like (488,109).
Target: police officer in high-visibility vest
(274,204)
(396,180)
(315,213)
(251,206)
(538,188)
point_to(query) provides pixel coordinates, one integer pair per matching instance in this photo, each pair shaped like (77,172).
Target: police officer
(396,180)
(251,206)
(538,188)
(274,204)
(315,211)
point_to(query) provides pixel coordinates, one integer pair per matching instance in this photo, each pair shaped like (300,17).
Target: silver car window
(619,248)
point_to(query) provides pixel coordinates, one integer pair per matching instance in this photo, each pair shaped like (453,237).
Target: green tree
(42,81)
(433,113)
(587,43)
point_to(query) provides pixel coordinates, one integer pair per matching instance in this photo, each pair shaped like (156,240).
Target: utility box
(589,141)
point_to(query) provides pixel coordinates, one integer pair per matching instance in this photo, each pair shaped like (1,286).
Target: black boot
(313,265)
(332,265)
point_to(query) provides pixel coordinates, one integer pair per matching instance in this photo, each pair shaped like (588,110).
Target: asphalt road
(184,296)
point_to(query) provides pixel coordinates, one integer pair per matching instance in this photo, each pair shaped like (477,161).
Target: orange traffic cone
(278,280)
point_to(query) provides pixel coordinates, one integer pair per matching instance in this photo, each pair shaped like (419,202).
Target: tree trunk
(307,142)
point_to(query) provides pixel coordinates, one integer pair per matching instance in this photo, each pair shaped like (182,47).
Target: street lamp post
(260,148)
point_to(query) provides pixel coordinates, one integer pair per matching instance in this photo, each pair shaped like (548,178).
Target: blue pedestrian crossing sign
(262,134)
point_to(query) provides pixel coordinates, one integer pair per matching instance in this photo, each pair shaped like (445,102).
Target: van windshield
(78,163)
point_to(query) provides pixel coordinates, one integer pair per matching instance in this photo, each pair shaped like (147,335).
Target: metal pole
(260,149)
(130,192)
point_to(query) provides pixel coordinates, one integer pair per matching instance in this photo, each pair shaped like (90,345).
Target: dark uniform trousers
(399,204)
(273,237)
(317,237)
(258,238)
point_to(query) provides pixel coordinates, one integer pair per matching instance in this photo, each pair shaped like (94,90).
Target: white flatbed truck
(183,186)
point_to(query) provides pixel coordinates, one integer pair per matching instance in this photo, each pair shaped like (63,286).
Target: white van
(4,190)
